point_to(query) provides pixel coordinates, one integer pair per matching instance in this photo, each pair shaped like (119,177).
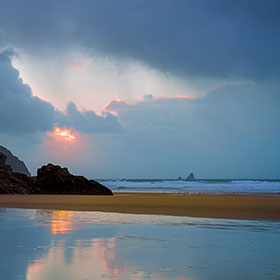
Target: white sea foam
(199,186)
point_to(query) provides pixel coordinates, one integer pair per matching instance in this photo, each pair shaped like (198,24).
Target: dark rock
(191,177)
(2,159)
(52,179)
(12,182)
(16,164)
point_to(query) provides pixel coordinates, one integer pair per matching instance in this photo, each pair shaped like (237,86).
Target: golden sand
(208,206)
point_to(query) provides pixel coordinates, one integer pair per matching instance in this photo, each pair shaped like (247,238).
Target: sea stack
(191,177)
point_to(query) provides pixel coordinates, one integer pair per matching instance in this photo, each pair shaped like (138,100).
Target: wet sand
(248,207)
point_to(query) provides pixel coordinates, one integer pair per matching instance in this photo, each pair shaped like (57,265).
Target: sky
(142,89)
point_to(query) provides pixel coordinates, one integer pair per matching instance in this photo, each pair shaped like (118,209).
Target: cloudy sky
(141,88)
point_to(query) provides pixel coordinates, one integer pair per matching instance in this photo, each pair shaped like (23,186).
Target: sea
(207,186)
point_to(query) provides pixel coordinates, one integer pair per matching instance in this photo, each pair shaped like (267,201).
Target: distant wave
(198,186)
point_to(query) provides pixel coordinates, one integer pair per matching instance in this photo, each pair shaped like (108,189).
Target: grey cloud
(89,121)
(207,125)
(194,38)
(21,112)
(148,97)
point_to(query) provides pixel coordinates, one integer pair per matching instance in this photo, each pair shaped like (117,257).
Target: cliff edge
(16,164)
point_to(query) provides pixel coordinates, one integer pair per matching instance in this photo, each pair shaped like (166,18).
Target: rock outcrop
(52,179)
(3,159)
(16,164)
(191,177)
(12,182)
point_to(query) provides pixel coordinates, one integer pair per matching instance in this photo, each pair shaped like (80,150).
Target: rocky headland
(12,182)
(50,179)
(16,164)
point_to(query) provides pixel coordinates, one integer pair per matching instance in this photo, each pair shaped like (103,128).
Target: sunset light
(64,134)
(61,222)
(142,139)
(64,144)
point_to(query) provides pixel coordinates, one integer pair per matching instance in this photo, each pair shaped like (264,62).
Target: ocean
(210,186)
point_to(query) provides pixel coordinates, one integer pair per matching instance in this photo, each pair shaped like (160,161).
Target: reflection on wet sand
(61,222)
(96,261)
(51,245)
(90,259)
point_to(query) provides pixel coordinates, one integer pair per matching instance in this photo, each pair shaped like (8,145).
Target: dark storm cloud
(20,112)
(197,38)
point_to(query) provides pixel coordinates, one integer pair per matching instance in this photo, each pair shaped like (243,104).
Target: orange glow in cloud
(77,66)
(64,145)
(185,96)
(63,134)
(116,100)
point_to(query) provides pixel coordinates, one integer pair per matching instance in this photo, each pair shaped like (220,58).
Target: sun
(63,134)
(64,144)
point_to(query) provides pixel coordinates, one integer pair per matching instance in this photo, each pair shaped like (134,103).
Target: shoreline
(245,207)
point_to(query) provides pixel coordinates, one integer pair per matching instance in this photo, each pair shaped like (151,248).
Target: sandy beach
(208,206)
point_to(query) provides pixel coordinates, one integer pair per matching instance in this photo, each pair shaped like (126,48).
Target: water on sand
(50,245)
